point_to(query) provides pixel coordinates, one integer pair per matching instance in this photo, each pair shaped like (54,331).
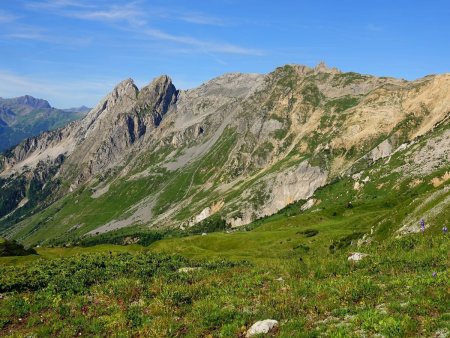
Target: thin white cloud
(114,13)
(88,11)
(202,19)
(26,32)
(206,46)
(178,14)
(32,33)
(6,17)
(58,4)
(134,15)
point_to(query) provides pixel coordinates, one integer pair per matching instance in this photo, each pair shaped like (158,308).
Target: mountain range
(26,116)
(236,149)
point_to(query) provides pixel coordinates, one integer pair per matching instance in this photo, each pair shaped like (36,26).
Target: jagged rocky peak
(303,70)
(160,83)
(125,88)
(119,99)
(155,99)
(229,85)
(323,68)
(160,91)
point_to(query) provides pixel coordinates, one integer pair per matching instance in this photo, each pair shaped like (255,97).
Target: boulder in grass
(262,327)
(188,269)
(356,256)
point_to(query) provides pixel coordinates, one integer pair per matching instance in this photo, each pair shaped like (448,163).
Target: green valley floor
(293,269)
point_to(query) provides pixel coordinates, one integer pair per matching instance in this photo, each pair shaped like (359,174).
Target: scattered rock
(327,320)
(309,203)
(440,202)
(208,211)
(437,181)
(384,149)
(357,176)
(261,327)
(402,146)
(356,256)
(414,183)
(365,240)
(188,269)
(442,333)
(381,308)
(357,186)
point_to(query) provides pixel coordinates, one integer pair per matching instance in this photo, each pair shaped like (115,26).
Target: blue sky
(73,52)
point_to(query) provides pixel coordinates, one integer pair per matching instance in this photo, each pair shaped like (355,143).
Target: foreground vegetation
(400,289)
(12,248)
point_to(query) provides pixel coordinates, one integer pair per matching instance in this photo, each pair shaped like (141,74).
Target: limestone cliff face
(250,143)
(294,184)
(103,137)
(117,124)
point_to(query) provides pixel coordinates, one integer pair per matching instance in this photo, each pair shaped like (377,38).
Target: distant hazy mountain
(26,116)
(82,109)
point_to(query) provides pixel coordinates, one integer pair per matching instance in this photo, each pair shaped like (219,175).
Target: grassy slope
(62,220)
(391,292)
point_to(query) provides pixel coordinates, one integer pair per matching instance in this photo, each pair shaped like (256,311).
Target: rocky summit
(236,149)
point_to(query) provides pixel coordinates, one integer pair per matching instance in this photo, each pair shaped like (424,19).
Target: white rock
(263,326)
(357,176)
(308,204)
(384,149)
(204,234)
(201,216)
(188,269)
(356,256)
(402,146)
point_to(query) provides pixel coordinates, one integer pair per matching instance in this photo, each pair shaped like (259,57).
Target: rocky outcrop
(292,185)
(384,149)
(119,122)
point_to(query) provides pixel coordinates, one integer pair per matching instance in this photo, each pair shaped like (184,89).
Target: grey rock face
(384,149)
(292,185)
